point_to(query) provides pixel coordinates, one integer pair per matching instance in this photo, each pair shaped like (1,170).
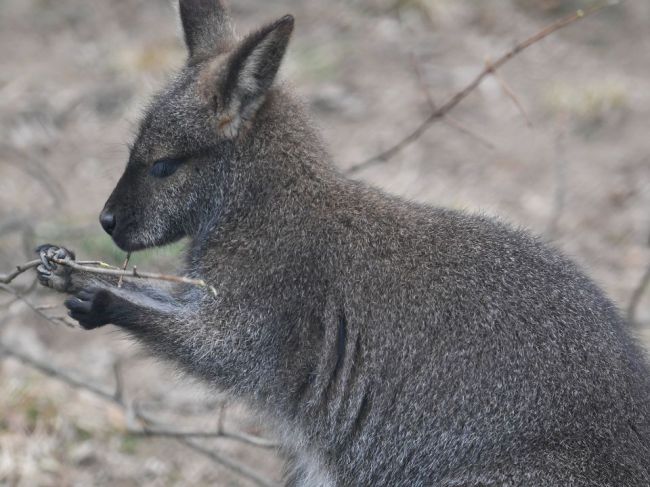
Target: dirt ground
(557,142)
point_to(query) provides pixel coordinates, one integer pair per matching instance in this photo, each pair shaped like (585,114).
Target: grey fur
(390,343)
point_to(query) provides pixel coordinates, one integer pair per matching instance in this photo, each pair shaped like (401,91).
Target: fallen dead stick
(98,267)
(490,68)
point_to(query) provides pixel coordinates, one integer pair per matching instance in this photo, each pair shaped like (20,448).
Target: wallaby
(388,343)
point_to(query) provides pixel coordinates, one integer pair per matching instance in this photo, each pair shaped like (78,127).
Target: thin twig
(443,109)
(119,382)
(510,93)
(20,269)
(447,119)
(241,437)
(36,309)
(59,374)
(133,273)
(638,293)
(461,127)
(419,76)
(124,266)
(233,465)
(106,270)
(559,183)
(219,433)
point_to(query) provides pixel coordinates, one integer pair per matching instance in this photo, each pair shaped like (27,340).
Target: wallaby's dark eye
(165,167)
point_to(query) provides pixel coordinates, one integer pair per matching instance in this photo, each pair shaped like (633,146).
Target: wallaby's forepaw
(49,273)
(91,307)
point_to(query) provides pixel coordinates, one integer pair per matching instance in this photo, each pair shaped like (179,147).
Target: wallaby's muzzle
(107,220)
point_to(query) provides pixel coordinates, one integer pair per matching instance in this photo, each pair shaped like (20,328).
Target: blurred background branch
(489,69)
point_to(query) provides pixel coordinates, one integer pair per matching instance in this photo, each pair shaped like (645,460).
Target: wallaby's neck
(282,155)
(281,173)
(280,167)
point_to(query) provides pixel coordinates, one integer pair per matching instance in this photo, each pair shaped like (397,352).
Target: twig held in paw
(124,266)
(99,267)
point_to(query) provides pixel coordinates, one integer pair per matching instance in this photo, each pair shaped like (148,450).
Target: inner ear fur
(235,84)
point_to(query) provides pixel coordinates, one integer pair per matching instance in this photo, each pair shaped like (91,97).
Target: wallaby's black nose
(107,219)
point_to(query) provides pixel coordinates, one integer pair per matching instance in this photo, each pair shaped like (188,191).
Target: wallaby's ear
(207,27)
(249,72)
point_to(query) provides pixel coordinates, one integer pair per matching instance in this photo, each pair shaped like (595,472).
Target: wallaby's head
(193,127)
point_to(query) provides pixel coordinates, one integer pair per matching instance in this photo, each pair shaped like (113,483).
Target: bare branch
(443,109)
(119,382)
(32,264)
(448,119)
(510,93)
(461,127)
(124,266)
(241,437)
(133,273)
(638,293)
(560,164)
(20,269)
(36,309)
(419,75)
(98,267)
(119,399)
(59,374)
(233,465)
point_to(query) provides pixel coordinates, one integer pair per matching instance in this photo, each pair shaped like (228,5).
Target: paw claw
(43,271)
(85,295)
(76,304)
(44,262)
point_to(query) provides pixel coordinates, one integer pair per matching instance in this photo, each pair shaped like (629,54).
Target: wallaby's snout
(116,222)
(146,211)
(107,220)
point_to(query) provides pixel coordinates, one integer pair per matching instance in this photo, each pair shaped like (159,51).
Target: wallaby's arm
(98,301)
(133,310)
(168,318)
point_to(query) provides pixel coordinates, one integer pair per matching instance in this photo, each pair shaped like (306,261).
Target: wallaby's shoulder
(385,221)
